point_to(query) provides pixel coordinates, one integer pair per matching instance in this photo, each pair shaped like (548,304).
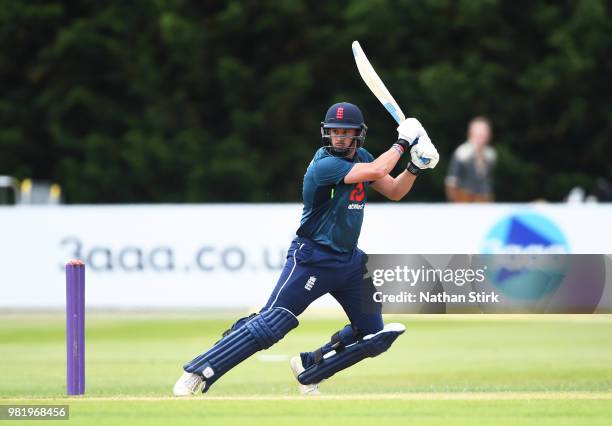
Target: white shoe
(187,384)
(298,368)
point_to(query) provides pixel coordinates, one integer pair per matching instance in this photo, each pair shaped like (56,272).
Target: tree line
(186,101)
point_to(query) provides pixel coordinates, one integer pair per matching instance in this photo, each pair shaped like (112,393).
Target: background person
(470,172)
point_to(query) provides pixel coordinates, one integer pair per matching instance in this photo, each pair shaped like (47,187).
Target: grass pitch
(459,370)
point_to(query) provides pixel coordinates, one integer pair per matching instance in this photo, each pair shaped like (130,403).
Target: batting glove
(423,155)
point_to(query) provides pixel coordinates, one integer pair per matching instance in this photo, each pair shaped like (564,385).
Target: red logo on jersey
(340,113)
(358,193)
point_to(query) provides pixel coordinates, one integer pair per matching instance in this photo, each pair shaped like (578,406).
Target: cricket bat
(373,81)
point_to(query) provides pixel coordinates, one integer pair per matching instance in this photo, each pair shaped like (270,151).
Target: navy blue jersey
(333,210)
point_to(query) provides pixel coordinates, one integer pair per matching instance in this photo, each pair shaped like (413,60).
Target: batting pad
(260,332)
(370,346)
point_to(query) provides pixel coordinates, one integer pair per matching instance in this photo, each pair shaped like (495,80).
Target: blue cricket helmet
(343,115)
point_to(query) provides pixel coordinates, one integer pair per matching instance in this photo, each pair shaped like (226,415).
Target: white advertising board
(230,255)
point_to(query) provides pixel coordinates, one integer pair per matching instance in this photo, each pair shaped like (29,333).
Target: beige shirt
(472,171)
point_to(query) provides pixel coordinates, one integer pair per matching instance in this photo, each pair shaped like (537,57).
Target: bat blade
(373,81)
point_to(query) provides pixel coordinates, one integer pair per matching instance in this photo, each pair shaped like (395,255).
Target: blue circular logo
(525,233)
(518,271)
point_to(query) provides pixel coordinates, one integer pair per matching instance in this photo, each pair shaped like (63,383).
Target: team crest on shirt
(356,197)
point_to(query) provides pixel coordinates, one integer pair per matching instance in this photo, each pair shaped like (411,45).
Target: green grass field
(445,370)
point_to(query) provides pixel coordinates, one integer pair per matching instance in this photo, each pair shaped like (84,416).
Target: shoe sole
(297,368)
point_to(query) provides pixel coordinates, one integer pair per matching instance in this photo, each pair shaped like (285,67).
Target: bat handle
(396,113)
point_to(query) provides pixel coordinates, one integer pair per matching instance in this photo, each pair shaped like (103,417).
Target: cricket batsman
(324,257)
